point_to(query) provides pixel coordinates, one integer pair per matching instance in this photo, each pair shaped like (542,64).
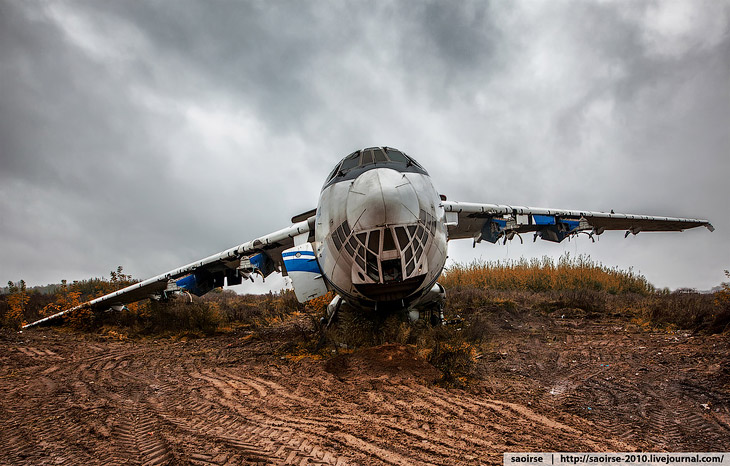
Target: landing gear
(433,305)
(436,315)
(332,310)
(429,308)
(432,314)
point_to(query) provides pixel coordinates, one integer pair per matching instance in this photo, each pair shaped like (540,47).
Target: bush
(688,309)
(447,351)
(176,316)
(253,310)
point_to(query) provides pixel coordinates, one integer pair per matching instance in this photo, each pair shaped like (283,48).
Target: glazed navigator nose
(381,197)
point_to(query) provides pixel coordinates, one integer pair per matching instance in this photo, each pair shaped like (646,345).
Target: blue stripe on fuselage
(302,265)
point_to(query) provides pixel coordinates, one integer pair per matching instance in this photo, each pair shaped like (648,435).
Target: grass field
(569,285)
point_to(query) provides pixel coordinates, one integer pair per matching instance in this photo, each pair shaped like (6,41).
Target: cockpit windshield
(373,157)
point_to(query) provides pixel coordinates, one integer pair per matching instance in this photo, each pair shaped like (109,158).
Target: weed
(686,310)
(447,351)
(178,316)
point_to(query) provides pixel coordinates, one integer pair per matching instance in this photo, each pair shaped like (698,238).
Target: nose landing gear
(433,314)
(436,315)
(433,305)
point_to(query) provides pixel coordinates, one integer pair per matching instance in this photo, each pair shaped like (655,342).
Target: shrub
(178,315)
(682,309)
(721,318)
(17,304)
(454,357)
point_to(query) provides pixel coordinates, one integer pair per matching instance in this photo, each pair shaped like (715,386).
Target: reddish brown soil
(563,385)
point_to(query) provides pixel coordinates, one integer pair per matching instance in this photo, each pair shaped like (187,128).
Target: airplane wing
(491,222)
(262,255)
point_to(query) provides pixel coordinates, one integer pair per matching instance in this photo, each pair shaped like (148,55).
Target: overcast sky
(151,134)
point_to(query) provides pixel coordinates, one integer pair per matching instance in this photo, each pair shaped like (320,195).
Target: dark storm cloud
(446,49)
(269,55)
(263,54)
(72,136)
(149,134)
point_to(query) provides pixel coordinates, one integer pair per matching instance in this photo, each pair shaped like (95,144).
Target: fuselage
(380,237)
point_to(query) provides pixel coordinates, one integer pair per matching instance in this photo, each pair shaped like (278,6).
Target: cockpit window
(396,156)
(357,162)
(411,160)
(400,232)
(367,157)
(334,172)
(350,162)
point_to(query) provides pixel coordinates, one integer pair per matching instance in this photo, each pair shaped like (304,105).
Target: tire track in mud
(293,438)
(139,439)
(509,418)
(639,409)
(326,427)
(197,403)
(227,421)
(412,439)
(402,420)
(69,421)
(50,435)
(38,429)
(38,353)
(269,435)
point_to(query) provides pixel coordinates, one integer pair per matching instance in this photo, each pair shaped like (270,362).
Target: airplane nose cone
(381,197)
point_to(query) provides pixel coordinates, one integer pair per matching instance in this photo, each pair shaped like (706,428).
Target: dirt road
(562,385)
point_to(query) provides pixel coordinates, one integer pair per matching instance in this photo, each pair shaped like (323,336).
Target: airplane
(378,239)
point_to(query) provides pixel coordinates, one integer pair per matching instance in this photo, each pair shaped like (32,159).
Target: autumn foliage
(568,273)
(570,286)
(21,305)
(17,303)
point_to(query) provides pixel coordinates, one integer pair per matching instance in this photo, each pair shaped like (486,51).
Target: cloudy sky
(150,134)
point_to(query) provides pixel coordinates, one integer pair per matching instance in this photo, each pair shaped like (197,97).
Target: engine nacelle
(555,229)
(492,230)
(259,263)
(198,283)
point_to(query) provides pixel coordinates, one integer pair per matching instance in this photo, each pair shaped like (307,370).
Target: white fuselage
(380,236)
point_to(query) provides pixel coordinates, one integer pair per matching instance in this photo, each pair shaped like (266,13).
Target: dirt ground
(549,385)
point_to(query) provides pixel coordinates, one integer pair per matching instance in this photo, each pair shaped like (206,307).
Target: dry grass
(177,317)
(480,293)
(538,275)
(578,288)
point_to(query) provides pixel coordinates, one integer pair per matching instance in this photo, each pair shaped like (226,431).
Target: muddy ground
(556,384)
